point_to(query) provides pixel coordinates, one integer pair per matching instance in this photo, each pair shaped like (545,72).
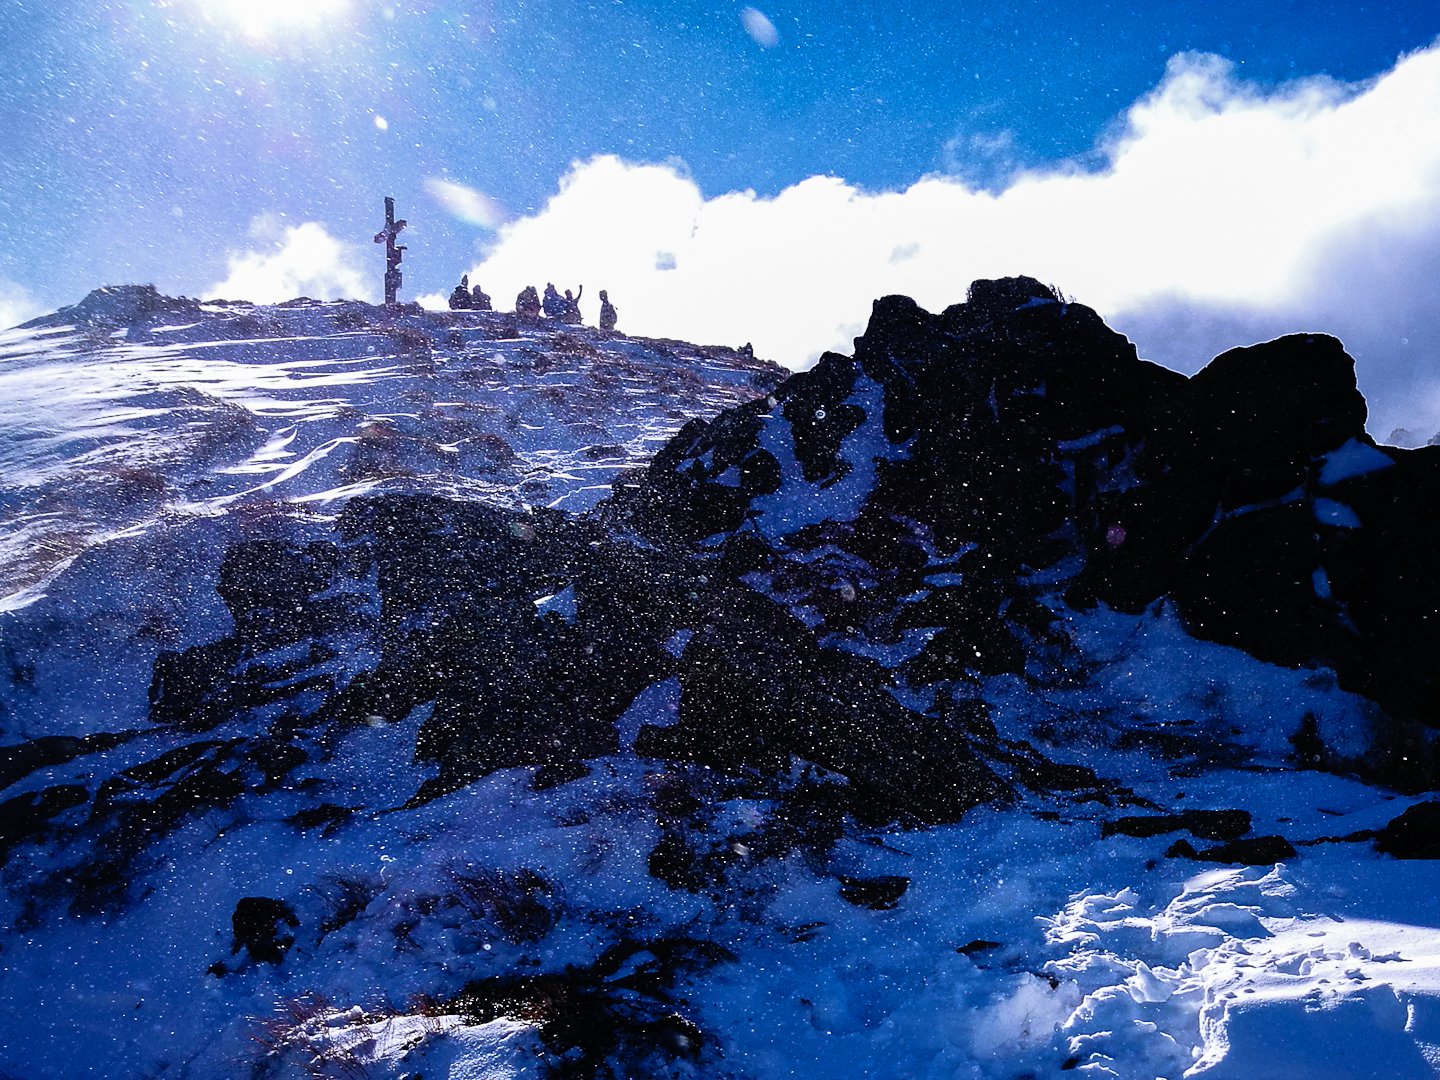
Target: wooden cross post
(393,254)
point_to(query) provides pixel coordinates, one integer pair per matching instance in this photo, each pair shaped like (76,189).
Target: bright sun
(261,18)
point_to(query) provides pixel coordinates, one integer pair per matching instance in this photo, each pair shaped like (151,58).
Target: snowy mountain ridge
(131,406)
(987,704)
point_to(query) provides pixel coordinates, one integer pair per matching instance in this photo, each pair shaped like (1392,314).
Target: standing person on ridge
(608,314)
(553,305)
(572,307)
(527,304)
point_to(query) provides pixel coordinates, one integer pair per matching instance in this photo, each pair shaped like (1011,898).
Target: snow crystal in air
(465,203)
(761,30)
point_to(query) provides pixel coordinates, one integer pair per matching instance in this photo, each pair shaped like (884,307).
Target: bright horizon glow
(261,18)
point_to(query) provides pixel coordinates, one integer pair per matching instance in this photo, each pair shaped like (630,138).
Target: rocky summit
(975,472)
(988,703)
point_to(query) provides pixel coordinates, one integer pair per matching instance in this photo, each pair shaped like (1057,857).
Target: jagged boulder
(1223,825)
(991,299)
(1381,543)
(1256,418)
(1247,851)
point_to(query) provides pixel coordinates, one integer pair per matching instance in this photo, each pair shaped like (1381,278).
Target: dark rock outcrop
(25,816)
(829,575)
(1204,824)
(260,927)
(1415,834)
(876,893)
(619,1016)
(961,468)
(757,689)
(1249,851)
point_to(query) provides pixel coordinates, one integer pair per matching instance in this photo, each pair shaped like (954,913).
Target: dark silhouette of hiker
(572,307)
(608,314)
(460,298)
(479,299)
(554,305)
(527,304)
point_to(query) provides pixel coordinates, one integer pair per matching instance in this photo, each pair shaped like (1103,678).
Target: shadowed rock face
(441,597)
(1014,445)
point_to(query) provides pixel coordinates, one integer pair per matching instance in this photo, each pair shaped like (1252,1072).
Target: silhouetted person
(460,298)
(527,304)
(747,351)
(571,313)
(554,304)
(479,299)
(608,314)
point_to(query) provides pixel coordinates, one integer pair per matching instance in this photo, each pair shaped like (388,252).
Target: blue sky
(199,143)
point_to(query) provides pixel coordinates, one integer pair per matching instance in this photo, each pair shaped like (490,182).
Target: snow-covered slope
(132,407)
(846,741)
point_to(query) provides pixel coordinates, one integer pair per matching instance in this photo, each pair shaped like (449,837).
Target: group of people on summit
(465,298)
(528,304)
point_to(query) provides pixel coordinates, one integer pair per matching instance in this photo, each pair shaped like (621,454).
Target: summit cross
(393,253)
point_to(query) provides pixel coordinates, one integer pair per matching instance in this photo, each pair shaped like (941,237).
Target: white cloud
(291,261)
(1217,202)
(16,305)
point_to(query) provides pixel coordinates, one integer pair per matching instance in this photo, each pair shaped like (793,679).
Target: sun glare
(263,18)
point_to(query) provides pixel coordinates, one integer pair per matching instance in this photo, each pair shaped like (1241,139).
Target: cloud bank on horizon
(1219,213)
(1216,213)
(291,261)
